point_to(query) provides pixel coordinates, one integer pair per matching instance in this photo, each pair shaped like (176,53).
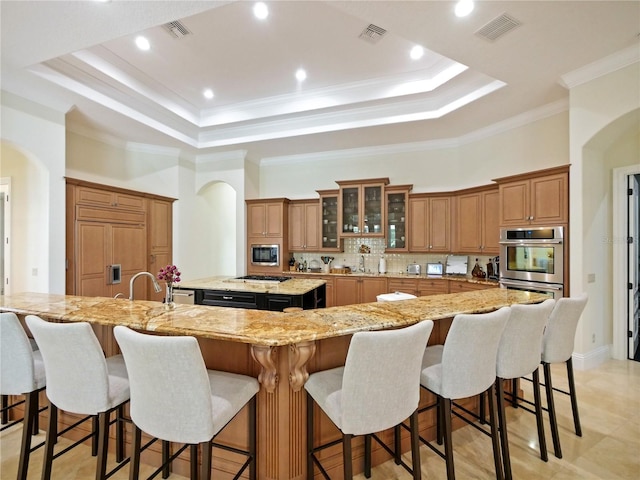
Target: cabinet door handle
(227,298)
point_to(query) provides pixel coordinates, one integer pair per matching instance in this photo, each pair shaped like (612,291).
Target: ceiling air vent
(176,29)
(498,27)
(372,33)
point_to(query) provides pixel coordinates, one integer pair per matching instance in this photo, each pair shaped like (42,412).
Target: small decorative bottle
(476,272)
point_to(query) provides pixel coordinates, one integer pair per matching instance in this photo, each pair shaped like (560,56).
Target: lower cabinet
(404,285)
(351,290)
(261,301)
(432,287)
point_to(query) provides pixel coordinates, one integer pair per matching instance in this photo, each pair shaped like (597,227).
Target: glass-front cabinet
(396,198)
(330,240)
(361,207)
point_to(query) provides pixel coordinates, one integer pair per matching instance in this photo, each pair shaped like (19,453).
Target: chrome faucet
(156,285)
(361,266)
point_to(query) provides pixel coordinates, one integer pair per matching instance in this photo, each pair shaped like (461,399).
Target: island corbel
(267,359)
(299,354)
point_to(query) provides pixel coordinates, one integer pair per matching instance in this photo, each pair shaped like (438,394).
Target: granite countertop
(294,286)
(260,327)
(455,278)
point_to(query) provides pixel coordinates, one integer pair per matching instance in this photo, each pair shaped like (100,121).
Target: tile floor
(609,401)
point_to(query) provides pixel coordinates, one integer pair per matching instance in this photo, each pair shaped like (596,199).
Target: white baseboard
(591,359)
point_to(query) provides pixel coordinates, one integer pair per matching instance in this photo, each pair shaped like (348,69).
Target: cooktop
(263,278)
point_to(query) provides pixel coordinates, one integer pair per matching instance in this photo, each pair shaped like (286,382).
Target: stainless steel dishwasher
(185,297)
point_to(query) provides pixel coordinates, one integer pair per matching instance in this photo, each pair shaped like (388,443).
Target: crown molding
(152,149)
(604,66)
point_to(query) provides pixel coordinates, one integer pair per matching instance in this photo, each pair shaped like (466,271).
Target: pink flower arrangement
(169,274)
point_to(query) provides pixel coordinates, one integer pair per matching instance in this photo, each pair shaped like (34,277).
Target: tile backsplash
(396,262)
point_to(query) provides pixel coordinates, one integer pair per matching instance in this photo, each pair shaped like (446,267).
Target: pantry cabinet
(304,224)
(352,290)
(477,221)
(112,234)
(536,198)
(361,207)
(430,223)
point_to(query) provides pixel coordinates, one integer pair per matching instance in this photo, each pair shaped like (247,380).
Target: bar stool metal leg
(30,414)
(52,435)
(494,432)
(552,410)
(206,460)
(134,467)
(502,424)
(539,421)
(103,441)
(346,455)
(574,399)
(415,446)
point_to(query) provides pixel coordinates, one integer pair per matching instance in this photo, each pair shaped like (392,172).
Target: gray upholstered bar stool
(21,373)
(378,388)
(518,355)
(465,366)
(175,398)
(81,381)
(557,347)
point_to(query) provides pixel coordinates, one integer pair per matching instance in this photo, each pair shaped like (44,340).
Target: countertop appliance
(434,268)
(413,269)
(457,265)
(532,258)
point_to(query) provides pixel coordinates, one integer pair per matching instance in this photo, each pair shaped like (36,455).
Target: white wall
(594,106)
(33,148)
(535,146)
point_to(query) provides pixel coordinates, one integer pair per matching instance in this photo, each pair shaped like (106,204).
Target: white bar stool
(557,347)
(465,366)
(175,398)
(378,388)
(80,380)
(21,373)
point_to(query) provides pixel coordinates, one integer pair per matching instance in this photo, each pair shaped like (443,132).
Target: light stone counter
(294,286)
(260,327)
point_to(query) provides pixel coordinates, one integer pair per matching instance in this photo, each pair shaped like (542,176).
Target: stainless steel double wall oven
(532,258)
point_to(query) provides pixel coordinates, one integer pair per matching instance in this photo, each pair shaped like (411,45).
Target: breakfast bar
(277,348)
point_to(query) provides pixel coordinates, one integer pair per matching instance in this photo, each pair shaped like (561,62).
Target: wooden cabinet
(361,207)
(535,198)
(109,227)
(351,290)
(265,218)
(160,239)
(429,223)
(86,195)
(396,213)
(477,221)
(330,240)
(458,287)
(430,286)
(304,224)
(268,223)
(404,285)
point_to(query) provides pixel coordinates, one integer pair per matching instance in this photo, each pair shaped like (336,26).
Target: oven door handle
(546,286)
(532,243)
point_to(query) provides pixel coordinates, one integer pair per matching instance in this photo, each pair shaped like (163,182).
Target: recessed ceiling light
(464,8)
(301,75)
(143,43)
(208,94)
(260,10)
(417,52)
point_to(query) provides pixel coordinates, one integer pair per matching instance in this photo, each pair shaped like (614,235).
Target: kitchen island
(279,349)
(257,292)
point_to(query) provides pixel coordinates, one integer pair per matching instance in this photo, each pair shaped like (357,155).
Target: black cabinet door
(277,303)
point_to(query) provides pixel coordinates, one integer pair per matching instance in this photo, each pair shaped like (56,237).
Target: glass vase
(168,300)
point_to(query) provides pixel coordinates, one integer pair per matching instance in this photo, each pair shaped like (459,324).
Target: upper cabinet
(361,207)
(536,198)
(396,214)
(429,223)
(477,222)
(265,218)
(304,224)
(329,240)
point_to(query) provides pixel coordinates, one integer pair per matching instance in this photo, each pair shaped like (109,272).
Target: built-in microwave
(265,255)
(532,254)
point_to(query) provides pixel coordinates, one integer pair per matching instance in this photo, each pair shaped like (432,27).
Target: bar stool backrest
(170,391)
(381,382)
(519,349)
(469,353)
(18,373)
(560,332)
(75,367)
